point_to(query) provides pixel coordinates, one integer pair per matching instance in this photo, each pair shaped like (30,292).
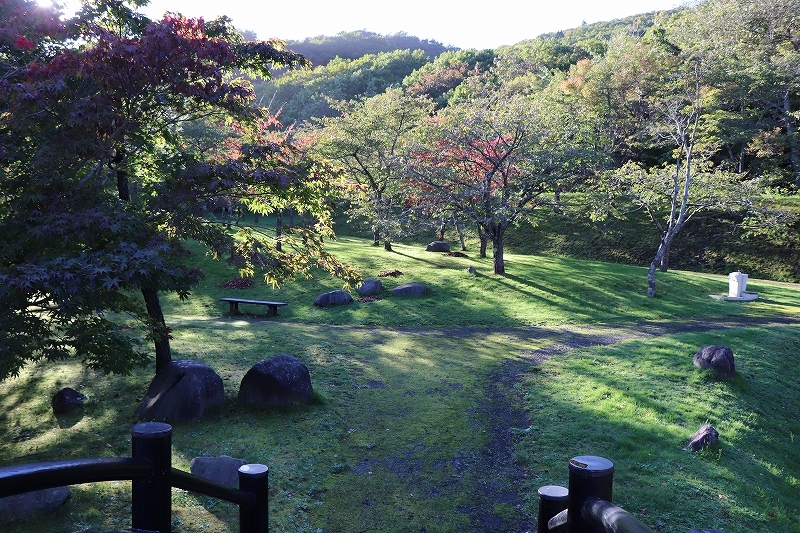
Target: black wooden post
(152,497)
(589,477)
(552,500)
(254,479)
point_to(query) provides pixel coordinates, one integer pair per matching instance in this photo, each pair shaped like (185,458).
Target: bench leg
(272,310)
(234,307)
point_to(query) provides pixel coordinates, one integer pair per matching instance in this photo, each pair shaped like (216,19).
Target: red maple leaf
(24,43)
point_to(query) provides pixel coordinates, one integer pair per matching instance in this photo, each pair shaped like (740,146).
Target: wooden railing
(152,476)
(585,507)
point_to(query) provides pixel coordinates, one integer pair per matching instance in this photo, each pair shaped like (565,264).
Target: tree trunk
(794,151)
(651,279)
(226,215)
(499,263)
(442,228)
(460,234)
(160,329)
(278,230)
(664,263)
(376,237)
(484,242)
(663,249)
(123,186)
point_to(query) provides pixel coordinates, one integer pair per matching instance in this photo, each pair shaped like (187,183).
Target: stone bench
(272,307)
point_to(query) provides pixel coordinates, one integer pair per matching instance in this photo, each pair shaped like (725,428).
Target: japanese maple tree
(491,160)
(101,178)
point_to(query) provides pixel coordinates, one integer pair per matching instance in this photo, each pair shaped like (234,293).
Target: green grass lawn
(639,402)
(402,422)
(535,291)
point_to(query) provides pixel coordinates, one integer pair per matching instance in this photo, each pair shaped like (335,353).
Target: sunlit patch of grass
(639,402)
(535,290)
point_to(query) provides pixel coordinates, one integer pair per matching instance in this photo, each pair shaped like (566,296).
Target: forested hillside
(322,49)
(300,95)
(343,67)
(362,63)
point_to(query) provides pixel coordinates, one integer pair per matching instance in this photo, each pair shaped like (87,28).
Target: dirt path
(503,477)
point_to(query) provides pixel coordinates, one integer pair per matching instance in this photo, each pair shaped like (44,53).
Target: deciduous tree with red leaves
(102,175)
(492,160)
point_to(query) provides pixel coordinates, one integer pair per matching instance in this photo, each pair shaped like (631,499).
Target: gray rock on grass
(332,298)
(706,437)
(24,506)
(223,469)
(66,399)
(410,289)
(438,246)
(370,287)
(281,380)
(716,358)
(183,390)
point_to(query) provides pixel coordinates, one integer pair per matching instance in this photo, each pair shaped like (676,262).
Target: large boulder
(281,380)
(706,437)
(438,246)
(409,289)
(716,358)
(182,390)
(329,299)
(29,504)
(66,399)
(223,470)
(370,287)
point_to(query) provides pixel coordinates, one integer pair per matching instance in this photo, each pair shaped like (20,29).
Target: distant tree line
(321,50)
